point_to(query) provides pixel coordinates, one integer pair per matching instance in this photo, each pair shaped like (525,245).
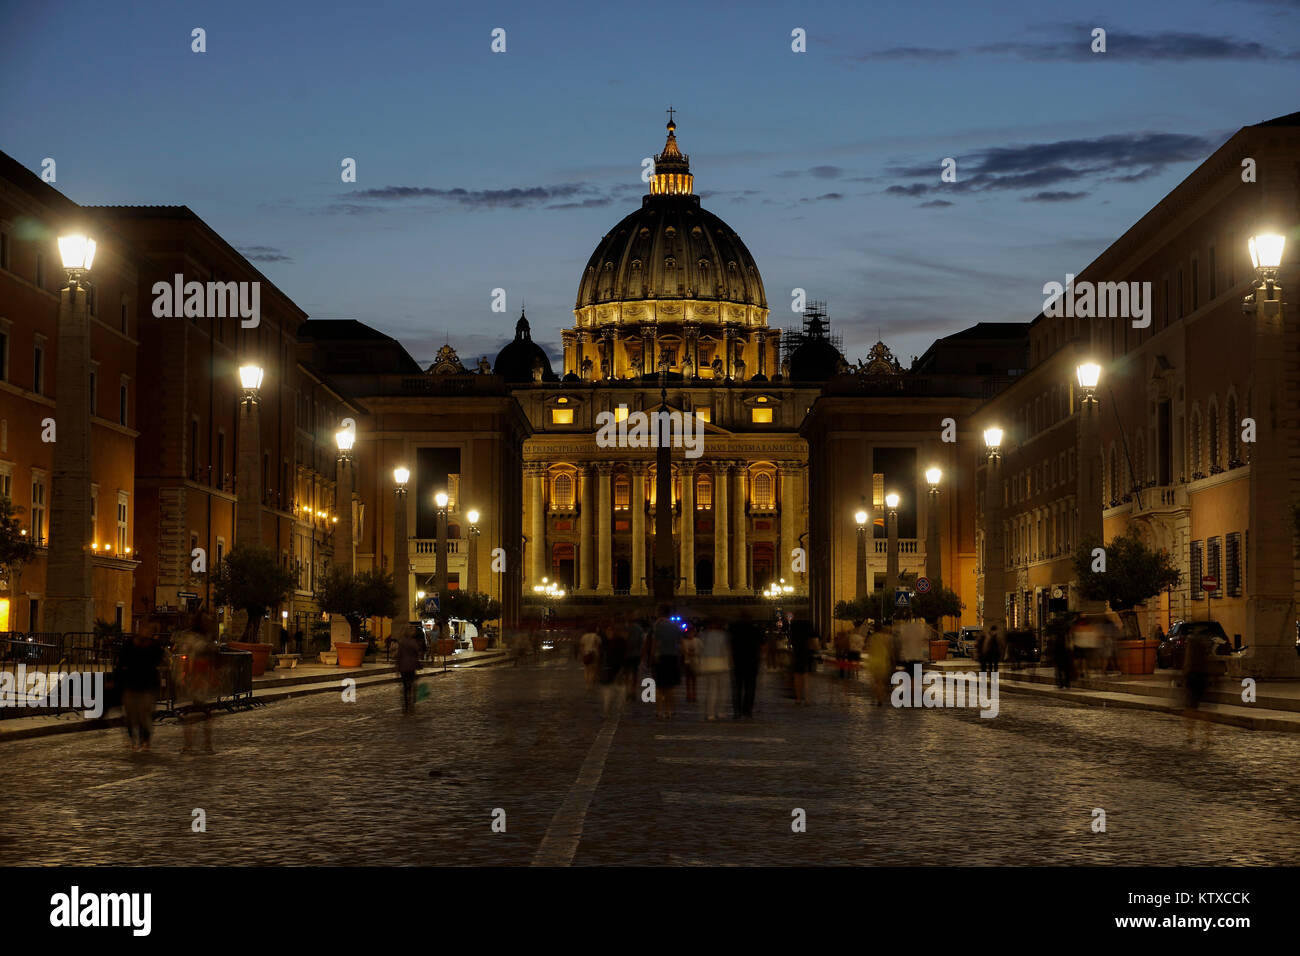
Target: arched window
(1212,426)
(704,492)
(1233,426)
(763,500)
(562,492)
(622,492)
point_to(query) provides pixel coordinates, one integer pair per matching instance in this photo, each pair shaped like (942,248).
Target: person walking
(802,641)
(690,661)
(1196,683)
(746,650)
(880,663)
(613,651)
(633,653)
(196,652)
(857,644)
(665,650)
(137,674)
(713,664)
(407,661)
(589,648)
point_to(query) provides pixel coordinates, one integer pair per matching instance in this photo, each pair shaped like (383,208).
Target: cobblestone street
(315,780)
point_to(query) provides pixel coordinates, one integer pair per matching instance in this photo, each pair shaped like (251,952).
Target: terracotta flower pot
(261,655)
(938,650)
(1136,657)
(444,646)
(351,654)
(480,643)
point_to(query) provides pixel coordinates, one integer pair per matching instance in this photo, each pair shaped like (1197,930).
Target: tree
(1133,574)
(473,606)
(251,580)
(857,610)
(936,603)
(356,597)
(16,548)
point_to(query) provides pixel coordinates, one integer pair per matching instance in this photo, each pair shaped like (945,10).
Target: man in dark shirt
(746,647)
(137,672)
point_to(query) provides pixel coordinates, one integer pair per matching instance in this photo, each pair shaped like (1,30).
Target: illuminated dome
(671,260)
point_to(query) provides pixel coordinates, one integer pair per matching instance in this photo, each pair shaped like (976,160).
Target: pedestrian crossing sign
(902,597)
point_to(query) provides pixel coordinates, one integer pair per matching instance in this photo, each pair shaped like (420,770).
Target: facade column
(933,565)
(687,534)
(537,563)
(605,531)
(1090,504)
(784,561)
(649,362)
(401,561)
(639,503)
(739,523)
(721,542)
(586,531)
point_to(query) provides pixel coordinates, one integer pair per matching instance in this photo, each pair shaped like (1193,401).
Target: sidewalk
(280,684)
(1276,706)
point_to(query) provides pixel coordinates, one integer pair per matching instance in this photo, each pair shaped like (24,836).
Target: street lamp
(473,517)
(933,562)
(860,517)
(401,554)
(993,440)
(1088,374)
(69,573)
(345,438)
(891,557)
(250,381)
(440,499)
(1265,254)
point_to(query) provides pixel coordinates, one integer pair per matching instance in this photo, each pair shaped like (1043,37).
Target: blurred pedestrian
(665,649)
(408,662)
(196,652)
(992,643)
(690,661)
(713,664)
(1196,682)
(857,644)
(137,675)
(803,643)
(746,648)
(633,653)
(613,651)
(1086,638)
(589,648)
(880,663)
(1062,655)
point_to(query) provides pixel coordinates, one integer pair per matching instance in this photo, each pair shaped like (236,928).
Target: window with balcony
(764,500)
(622,492)
(122,511)
(704,492)
(562,492)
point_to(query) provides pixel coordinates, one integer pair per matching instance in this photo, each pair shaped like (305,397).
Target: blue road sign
(902,597)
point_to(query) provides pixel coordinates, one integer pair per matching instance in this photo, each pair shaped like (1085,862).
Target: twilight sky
(479,170)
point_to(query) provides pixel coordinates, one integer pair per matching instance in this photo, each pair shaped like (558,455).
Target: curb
(318,684)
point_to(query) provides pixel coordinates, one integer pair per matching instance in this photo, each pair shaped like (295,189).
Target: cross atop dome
(672,167)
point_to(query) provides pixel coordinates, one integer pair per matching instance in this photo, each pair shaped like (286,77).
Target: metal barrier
(40,658)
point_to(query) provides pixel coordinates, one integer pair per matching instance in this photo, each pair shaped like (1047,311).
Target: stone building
(1197,442)
(33,215)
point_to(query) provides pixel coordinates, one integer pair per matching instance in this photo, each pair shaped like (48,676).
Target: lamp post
(248,480)
(440,501)
(861,518)
(994,611)
(69,575)
(1270,628)
(401,554)
(891,557)
(933,559)
(1088,374)
(552,593)
(473,517)
(345,438)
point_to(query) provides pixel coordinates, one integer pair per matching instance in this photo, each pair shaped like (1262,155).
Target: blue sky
(479,170)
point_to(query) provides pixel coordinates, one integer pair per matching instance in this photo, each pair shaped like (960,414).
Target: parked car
(967,641)
(1171,651)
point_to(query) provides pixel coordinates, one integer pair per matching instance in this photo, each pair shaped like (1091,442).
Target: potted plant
(473,606)
(1133,574)
(932,606)
(356,598)
(252,580)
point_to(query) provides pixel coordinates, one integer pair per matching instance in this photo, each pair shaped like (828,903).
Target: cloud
(935,204)
(560,196)
(830,196)
(1053,196)
(1073,41)
(1120,157)
(263,254)
(817,172)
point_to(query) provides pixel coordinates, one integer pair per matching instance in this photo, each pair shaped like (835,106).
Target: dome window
(636,265)
(670,263)
(670,233)
(697,232)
